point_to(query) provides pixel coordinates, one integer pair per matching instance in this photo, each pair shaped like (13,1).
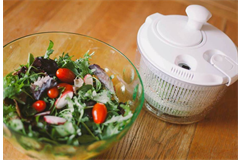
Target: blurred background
(114,22)
(117,22)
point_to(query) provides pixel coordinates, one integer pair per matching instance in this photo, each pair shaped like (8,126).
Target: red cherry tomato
(65,75)
(99,113)
(39,105)
(53,92)
(67,87)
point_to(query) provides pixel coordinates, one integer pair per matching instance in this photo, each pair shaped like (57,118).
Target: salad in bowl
(61,106)
(63,101)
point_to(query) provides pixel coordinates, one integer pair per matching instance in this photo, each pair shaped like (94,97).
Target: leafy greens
(79,127)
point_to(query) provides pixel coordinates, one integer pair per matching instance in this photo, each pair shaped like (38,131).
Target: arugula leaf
(65,61)
(80,109)
(103,97)
(49,50)
(118,119)
(98,84)
(30,59)
(126,108)
(66,114)
(50,46)
(83,64)
(9,112)
(112,106)
(37,119)
(12,86)
(85,92)
(65,130)
(80,67)
(85,88)
(17,125)
(110,130)
(50,102)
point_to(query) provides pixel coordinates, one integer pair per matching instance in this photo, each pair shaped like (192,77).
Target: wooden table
(117,23)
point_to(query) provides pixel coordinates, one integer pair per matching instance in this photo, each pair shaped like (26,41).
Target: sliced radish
(54,120)
(61,101)
(88,79)
(42,113)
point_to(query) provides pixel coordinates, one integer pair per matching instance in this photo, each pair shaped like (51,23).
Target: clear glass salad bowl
(126,79)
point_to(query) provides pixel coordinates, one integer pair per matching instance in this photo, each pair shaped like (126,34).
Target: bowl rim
(135,114)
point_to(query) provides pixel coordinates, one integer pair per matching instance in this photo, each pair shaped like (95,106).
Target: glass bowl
(126,80)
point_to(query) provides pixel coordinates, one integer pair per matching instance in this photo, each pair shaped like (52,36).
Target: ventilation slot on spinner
(182,73)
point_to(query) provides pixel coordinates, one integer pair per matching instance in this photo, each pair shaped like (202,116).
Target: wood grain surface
(117,23)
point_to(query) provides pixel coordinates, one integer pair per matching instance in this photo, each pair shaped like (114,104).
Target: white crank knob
(197,16)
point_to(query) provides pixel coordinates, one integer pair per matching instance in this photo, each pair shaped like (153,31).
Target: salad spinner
(185,63)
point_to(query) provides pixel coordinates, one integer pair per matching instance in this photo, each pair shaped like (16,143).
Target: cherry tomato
(65,75)
(67,87)
(53,92)
(39,105)
(99,113)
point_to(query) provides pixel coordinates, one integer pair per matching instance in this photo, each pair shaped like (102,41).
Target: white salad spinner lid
(188,48)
